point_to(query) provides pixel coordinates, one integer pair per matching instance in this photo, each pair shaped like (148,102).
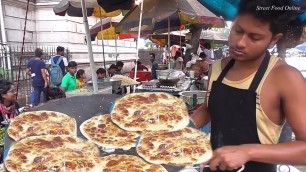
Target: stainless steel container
(188,96)
(114,83)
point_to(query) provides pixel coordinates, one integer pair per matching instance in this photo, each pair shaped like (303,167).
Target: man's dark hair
(278,19)
(59,49)
(79,73)
(138,63)
(38,52)
(202,55)
(119,64)
(72,64)
(5,86)
(207,45)
(112,66)
(101,71)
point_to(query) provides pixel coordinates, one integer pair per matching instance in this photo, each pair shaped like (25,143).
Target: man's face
(119,68)
(112,71)
(62,53)
(250,38)
(101,75)
(152,58)
(72,70)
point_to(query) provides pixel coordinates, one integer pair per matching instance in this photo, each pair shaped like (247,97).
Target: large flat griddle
(82,108)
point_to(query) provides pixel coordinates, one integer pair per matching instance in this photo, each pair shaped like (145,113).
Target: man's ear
(275,39)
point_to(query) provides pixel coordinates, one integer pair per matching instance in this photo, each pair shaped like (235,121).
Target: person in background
(154,66)
(207,50)
(140,67)
(101,74)
(111,71)
(9,108)
(60,52)
(178,64)
(36,69)
(69,82)
(81,79)
(251,94)
(119,65)
(205,64)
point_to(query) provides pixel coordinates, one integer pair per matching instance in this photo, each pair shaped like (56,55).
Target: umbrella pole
(116,48)
(103,43)
(89,46)
(169,52)
(139,32)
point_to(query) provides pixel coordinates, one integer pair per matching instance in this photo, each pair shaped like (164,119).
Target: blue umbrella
(228,9)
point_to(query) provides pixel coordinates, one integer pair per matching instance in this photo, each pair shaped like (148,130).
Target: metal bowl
(169,81)
(115,83)
(170,73)
(188,96)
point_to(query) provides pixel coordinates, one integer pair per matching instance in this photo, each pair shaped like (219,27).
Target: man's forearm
(293,153)
(200,117)
(44,77)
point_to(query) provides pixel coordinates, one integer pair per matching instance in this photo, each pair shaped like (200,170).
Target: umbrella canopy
(73,8)
(162,39)
(228,9)
(156,14)
(301,47)
(111,5)
(108,31)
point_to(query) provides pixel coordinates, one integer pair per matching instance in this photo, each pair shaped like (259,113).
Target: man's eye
(238,31)
(255,38)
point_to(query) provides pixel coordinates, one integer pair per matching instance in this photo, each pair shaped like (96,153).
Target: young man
(249,98)
(119,65)
(154,66)
(64,63)
(36,69)
(111,71)
(101,74)
(69,80)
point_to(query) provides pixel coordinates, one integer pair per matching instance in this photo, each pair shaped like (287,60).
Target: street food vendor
(101,74)
(111,71)
(251,94)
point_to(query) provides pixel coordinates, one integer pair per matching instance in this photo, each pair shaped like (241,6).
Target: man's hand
(46,85)
(229,158)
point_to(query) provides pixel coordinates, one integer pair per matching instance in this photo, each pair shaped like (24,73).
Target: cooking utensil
(188,96)
(169,81)
(115,83)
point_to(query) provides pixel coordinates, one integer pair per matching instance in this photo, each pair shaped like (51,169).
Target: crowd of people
(52,79)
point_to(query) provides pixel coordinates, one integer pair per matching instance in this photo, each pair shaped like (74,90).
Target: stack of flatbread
(46,140)
(163,121)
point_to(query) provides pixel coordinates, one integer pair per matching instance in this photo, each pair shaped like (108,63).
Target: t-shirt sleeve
(180,59)
(65,61)
(65,82)
(43,65)
(155,66)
